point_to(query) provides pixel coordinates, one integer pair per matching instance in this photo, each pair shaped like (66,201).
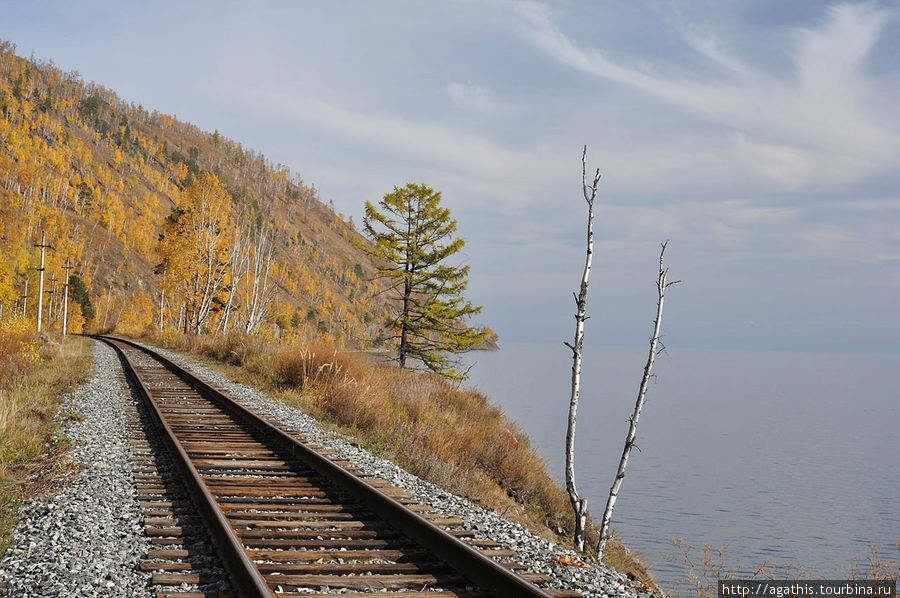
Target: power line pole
(43,247)
(50,292)
(25,299)
(66,298)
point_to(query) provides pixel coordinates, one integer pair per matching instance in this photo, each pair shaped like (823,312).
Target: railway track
(284,517)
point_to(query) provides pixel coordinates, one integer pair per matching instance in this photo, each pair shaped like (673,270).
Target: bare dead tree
(656,348)
(579,503)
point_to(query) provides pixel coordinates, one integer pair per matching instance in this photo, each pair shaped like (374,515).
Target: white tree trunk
(258,286)
(579,503)
(206,223)
(65,309)
(40,297)
(236,265)
(661,284)
(68,267)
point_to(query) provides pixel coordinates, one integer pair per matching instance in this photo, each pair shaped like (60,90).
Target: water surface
(778,456)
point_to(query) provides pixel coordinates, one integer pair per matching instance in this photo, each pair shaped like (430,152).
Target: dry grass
(450,437)
(33,376)
(703,569)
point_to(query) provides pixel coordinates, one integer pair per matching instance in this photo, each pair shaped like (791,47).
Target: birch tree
(210,223)
(258,288)
(194,247)
(579,503)
(237,260)
(662,283)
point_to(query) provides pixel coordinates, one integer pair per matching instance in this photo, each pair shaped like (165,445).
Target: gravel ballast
(88,539)
(594,580)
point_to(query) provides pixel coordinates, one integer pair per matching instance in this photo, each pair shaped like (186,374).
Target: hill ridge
(99,176)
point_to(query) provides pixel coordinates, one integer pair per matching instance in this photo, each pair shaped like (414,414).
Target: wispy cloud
(471,96)
(844,231)
(496,169)
(818,125)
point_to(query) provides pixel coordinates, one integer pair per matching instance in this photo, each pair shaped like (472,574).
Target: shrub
(19,347)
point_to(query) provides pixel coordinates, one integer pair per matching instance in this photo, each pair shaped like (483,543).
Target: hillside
(99,177)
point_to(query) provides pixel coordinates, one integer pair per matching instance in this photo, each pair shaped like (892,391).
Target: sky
(760,138)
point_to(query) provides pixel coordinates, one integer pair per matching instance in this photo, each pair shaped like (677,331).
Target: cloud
(710,47)
(847,231)
(470,96)
(818,125)
(494,168)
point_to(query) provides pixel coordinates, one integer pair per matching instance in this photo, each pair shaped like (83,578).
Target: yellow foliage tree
(194,248)
(75,321)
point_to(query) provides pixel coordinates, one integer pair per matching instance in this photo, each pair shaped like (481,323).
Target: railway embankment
(90,535)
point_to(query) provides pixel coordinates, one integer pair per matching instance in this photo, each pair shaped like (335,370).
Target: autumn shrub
(18,347)
(298,367)
(233,348)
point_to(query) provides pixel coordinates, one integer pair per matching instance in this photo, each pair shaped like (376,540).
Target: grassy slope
(33,377)
(453,438)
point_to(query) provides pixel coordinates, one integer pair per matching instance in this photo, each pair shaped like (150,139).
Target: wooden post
(25,299)
(50,293)
(66,298)
(43,247)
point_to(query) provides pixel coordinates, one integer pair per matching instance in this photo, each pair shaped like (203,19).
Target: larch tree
(413,238)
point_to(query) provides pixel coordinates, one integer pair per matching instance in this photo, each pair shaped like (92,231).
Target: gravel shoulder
(87,539)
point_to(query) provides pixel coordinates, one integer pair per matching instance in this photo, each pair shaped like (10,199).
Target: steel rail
(489,575)
(244,574)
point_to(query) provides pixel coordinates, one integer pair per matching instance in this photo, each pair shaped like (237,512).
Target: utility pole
(25,299)
(43,245)
(66,298)
(50,293)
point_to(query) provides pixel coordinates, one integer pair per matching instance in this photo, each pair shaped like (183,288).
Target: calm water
(779,456)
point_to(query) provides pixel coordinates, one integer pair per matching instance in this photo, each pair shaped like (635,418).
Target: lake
(779,456)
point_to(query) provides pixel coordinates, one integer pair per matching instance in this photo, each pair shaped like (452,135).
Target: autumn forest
(164,225)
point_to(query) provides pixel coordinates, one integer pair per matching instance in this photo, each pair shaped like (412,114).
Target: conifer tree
(412,239)
(79,293)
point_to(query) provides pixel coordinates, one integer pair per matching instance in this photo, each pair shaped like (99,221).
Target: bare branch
(654,350)
(579,504)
